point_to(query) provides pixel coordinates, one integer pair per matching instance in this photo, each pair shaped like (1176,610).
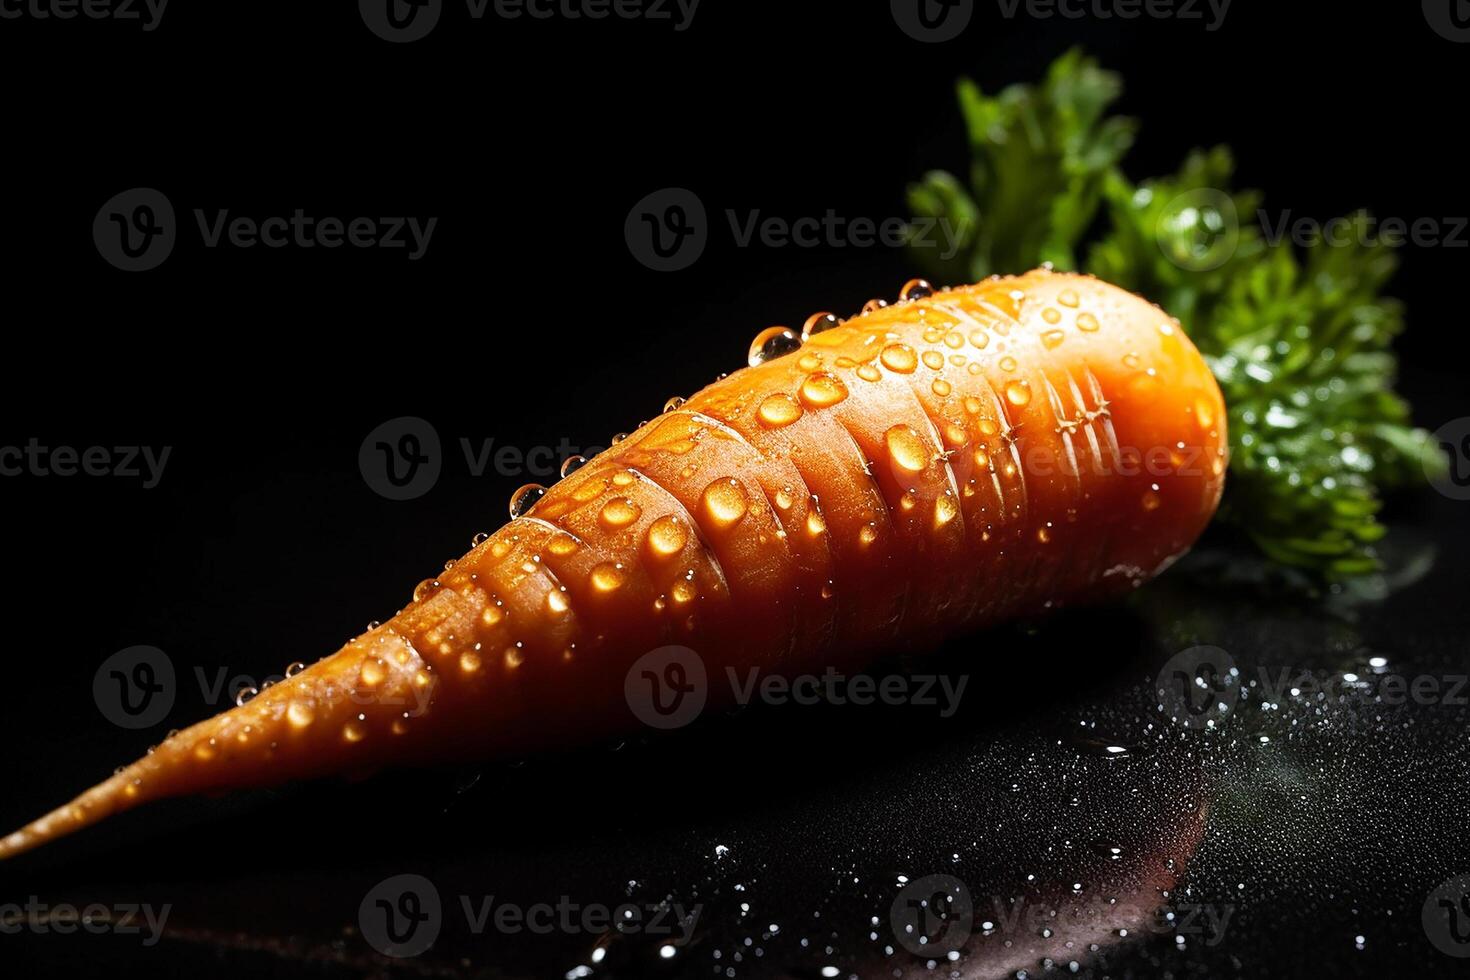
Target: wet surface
(1071,816)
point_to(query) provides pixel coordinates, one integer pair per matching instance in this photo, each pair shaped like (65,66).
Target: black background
(528,321)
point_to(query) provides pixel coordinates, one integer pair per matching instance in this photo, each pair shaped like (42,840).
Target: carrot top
(1299,339)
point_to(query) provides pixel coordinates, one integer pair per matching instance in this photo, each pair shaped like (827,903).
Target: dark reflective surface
(1061,816)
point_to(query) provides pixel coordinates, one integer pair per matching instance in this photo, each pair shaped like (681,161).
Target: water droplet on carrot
(1052,339)
(667,536)
(295,668)
(869,373)
(556,602)
(607,577)
(867,535)
(815,523)
(818,323)
(979,339)
(1151,499)
(915,289)
(525,498)
(778,410)
(1131,360)
(619,512)
(1204,414)
(1087,322)
(982,459)
(874,305)
(941,387)
(1008,363)
(933,360)
(784,499)
(899,357)
(1051,315)
(683,591)
(771,343)
(906,449)
(372,672)
(1018,393)
(244,695)
(945,510)
(725,502)
(513,656)
(1068,298)
(1043,534)
(300,714)
(822,390)
(492,614)
(676,402)
(562,544)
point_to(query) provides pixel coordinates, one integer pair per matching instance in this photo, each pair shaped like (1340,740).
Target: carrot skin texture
(942,464)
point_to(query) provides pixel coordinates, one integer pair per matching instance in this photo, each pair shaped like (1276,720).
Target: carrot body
(940,464)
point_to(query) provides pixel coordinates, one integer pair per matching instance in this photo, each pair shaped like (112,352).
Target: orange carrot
(955,459)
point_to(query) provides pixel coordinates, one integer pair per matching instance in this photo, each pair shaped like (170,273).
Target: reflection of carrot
(954,459)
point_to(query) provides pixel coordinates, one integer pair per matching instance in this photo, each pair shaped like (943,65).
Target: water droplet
(422,590)
(1068,298)
(783,498)
(979,339)
(300,714)
(675,402)
(619,512)
(869,373)
(556,602)
(1008,363)
(1018,393)
(243,696)
(941,387)
(771,343)
(778,410)
(562,544)
(818,323)
(492,614)
(982,459)
(822,390)
(1204,414)
(1087,322)
(933,360)
(623,478)
(809,362)
(571,465)
(867,535)
(1051,315)
(608,577)
(618,437)
(1131,360)
(525,498)
(828,591)
(667,536)
(295,668)
(900,358)
(1052,339)
(945,510)
(954,340)
(915,289)
(906,449)
(873,305)
(1151,499)
(725,502)
(815,523)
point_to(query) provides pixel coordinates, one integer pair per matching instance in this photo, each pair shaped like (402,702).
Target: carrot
(958,458)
